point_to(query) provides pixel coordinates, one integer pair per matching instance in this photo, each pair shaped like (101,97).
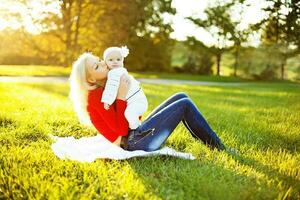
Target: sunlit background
(228,56)
(182,27)
(173,36)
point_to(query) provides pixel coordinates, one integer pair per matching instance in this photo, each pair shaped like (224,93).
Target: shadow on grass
(289,182)
(175,178)
(255,134)
(245,107)
(7,122)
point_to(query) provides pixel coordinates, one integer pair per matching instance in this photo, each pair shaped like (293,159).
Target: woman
(88,79)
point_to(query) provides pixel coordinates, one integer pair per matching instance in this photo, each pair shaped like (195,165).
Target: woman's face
(96,70)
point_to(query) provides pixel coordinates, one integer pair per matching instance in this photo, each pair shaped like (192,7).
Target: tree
(93,25)
(239,35)
(138,24)
(151,42)
(256,62)
(64,27)
(199,58)
(281,29)
(220,26)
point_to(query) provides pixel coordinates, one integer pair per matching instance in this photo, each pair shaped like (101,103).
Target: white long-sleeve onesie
(136,99)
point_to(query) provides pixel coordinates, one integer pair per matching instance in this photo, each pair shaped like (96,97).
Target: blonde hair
(79,88)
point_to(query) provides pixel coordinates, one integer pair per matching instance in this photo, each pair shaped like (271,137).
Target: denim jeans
(157,127)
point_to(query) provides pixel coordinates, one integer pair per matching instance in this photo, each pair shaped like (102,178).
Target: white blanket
(88,149)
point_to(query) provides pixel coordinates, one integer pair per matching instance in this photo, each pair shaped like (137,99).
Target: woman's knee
(181,95)
(186,101)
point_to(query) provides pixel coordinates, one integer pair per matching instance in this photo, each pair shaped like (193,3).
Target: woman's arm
(111,123)
(118,141)
(112,84)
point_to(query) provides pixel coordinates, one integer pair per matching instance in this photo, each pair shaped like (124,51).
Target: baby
(137,102)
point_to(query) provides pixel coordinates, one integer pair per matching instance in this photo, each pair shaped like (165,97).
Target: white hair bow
(124,51)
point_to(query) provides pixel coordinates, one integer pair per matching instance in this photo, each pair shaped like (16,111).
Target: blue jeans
(157,127)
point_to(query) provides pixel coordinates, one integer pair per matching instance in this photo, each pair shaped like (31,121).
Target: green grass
(260,120)
(184,76)
(34,70)
(42,70)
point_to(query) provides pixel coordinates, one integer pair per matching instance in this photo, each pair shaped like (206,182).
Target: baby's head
(114,56)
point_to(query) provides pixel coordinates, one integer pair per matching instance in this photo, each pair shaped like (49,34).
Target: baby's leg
(132,113)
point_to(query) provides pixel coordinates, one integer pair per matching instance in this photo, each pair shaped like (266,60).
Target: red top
(110,123)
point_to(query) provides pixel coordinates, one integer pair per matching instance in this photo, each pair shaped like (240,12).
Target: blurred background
(254,39)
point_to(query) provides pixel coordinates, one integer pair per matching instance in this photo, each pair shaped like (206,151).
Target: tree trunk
(237,54)
(67,22)
(283,69)
(218,63)
(283,63)
(75,43)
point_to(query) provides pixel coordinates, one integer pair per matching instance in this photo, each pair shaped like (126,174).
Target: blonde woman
(87,82)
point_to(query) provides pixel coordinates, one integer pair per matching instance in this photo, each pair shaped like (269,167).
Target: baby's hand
(103,64)
(106,106)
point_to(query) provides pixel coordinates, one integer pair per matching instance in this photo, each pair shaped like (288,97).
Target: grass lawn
(33,70)
(40,70)
(260,120)
(182,76)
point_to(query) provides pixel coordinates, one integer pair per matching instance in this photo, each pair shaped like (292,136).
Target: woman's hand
(124,87)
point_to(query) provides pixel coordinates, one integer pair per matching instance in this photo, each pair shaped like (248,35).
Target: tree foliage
(93,25)
(220,26)
(281,30)
(199,58)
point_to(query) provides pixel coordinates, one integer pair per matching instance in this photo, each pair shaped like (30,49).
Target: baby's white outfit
(136,99)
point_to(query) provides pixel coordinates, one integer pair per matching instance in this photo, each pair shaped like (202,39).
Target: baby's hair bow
(124,51)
